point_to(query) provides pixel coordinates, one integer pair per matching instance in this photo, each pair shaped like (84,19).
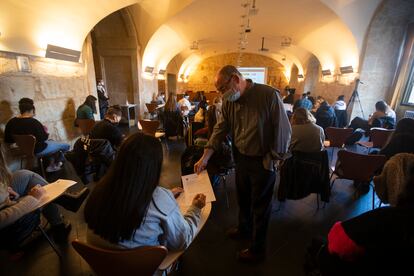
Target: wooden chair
(85,125)
(337,137)
(379,137)
(152,109)
(358,167)
(150,128)
(26,144)
(138,261)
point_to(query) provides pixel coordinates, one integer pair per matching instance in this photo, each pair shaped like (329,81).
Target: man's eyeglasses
(224,87)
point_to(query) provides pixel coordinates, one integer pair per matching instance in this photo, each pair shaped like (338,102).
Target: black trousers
(254,193)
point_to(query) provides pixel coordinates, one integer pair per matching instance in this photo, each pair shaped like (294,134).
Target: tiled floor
(291,229)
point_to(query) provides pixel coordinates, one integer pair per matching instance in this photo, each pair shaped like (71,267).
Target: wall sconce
(149,69)
(326,72)
(61,53)
(162,72)
(300,76)
(346,69)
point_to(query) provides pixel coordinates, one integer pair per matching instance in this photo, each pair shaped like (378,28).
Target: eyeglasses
(224,87)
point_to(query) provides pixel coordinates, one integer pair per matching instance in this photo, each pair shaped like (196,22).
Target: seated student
(376,241)
(340,111)
(184,105)
(129,209)
(303,102)
(25,124)
(377,119)
(402,139)
(108,127)
(19,193)
(87,109)
(311,98)
(306,135)
(172,120)
(290,98)
(325,116)
(200,116)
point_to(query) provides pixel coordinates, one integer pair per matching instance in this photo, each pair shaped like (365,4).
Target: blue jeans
(53,147)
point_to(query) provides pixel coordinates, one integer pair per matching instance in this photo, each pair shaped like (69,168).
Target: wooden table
(172,256)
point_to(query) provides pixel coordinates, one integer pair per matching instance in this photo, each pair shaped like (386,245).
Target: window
(408,98)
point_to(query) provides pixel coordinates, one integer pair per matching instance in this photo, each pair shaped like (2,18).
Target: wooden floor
(291,229)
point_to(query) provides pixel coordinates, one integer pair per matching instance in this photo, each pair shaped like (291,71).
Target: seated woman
(200,116)
(306,135)
(402,140)
(376,241)
(87,109)
(20,192)
(25,124)
(340,111)
(325,116)
(129,209)
(172,120)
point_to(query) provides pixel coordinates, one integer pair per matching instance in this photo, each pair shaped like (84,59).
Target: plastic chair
(138,261)
(337,137)
(85,125)
(379,137)
(358,167)
(26,144)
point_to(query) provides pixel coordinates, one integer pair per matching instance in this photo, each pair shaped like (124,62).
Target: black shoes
(61,231)
(249,256)
(236,234)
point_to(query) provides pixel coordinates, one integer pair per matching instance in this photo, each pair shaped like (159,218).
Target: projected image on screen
(257,74)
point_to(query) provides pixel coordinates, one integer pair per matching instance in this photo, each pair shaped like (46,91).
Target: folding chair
(337,137)
(379,137)
(26,144)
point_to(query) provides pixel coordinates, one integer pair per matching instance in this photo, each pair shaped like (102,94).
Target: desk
(174,255)
(128,114)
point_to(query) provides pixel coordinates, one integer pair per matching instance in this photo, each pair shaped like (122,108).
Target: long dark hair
(118,205)
(90,101)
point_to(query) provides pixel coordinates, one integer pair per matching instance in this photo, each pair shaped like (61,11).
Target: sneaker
(61,231)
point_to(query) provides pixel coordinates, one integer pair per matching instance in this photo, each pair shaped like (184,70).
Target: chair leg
(52,244)
(42,167)
(223,179)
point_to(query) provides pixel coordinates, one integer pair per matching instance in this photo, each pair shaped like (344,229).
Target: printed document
(197,184)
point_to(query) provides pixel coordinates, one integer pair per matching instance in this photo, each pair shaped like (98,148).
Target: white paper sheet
(54,190)
(197,184)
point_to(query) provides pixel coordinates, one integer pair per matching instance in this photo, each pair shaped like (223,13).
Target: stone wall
(203,76)
(383,43)
(57,88)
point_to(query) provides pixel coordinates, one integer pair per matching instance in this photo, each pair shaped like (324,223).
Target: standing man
(102,98)
(254,116)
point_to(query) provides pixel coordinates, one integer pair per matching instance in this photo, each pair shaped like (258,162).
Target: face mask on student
(231,95)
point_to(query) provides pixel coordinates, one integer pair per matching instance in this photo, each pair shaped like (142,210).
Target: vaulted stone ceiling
(331,30)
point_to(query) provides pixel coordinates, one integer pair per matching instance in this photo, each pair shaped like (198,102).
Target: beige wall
(57,88)
(203,76)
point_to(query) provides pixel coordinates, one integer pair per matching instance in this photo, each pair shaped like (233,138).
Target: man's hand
(176,191)
(37,191)
(200,165)
(12,194)
(199,201)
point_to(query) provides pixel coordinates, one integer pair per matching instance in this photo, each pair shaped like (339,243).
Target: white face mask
(231,95)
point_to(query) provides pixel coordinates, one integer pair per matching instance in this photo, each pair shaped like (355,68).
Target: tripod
(354,98)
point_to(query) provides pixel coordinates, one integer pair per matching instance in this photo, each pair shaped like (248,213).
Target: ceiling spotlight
(286,41)
(194,46)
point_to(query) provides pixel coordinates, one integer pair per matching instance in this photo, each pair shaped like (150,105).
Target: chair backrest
(151,107)
(380,136)
(358,167)
(337,136)
(149,127)
(26,144)
(138,261)
(85,125)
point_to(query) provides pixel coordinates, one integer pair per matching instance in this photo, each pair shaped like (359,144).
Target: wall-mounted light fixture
(162,72)
(326,72)
(300,76)
(346,69)
(61,53)
(149,69)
